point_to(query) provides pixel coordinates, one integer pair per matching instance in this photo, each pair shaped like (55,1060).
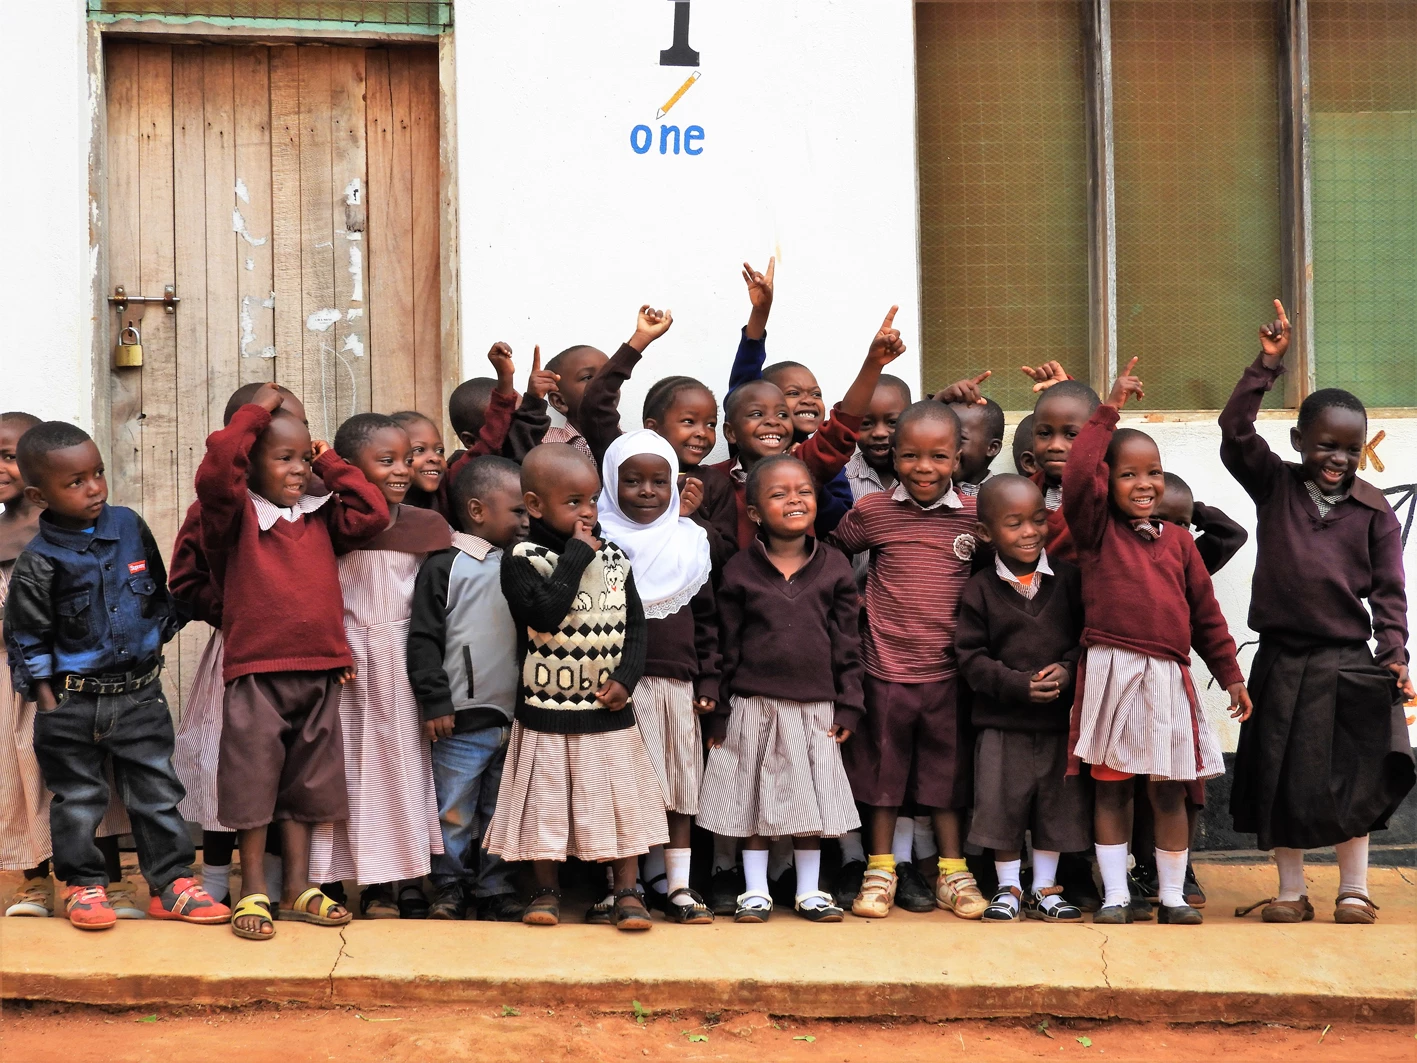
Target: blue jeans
(467,772)
(71,744)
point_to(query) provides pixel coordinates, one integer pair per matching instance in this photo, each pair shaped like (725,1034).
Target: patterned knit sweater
(581,624)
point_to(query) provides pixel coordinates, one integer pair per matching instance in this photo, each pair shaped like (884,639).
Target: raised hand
(501,358)
(886,345)
(760,284)
(1274,337)
(1126,387)
(268,397)
(541,382)
(691,496)
(652,324)
(966,390)
(1240,704)
(318,447)
(1044,376)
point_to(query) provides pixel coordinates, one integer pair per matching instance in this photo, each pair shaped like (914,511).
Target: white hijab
(669,557)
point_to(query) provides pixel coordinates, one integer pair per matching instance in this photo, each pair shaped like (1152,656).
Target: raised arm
(1243,450)
(358,512)
(752,344)
(1085,478)
(221,477)
(1220,537)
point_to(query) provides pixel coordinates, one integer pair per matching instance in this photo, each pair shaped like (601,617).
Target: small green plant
(1043,1029)
(147,1018)
(1086,1042)
(692,1036)
(805,1037)
(641,1012)
(508,1011)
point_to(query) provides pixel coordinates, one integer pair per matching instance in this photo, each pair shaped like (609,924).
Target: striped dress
(393,809)
(198,742)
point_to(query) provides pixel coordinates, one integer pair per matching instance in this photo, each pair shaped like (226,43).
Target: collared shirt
(864,480)
(267,512)
(473,545)
(1030,589)
(88,602)
(969,490)
(1322,501)
(564,433)
(950,498)
(1053,498)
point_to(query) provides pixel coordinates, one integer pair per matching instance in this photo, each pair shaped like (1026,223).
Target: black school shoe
(1140,906)
(847,883)
(1191,889)
(447,903)
(724,888)
(1147,879)
(1004,908)
(1079,887)
(1181,915)
(912,892)
(412,903)
(1114,915)
(1058,912)
(501,908)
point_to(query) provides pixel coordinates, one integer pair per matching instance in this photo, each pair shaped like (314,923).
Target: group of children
(574,641)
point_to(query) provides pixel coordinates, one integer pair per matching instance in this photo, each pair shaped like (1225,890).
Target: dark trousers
(71,744)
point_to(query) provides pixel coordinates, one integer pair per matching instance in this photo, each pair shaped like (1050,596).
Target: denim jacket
(88,603)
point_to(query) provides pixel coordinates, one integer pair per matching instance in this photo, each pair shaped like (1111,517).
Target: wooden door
(290,193)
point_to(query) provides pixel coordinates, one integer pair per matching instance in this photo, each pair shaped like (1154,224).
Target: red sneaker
(185,899)
(88,907)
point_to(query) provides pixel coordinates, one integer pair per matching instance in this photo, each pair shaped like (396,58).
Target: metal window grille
(411,15)
(1363,92)
(1002,147)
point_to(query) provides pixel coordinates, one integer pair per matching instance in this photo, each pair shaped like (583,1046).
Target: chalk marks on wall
(1404,505)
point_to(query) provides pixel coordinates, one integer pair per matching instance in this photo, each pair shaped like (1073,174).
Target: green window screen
(1363,98)
(407,15)
(1003,191)
(1196,126)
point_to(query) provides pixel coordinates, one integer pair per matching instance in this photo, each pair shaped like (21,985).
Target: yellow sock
(951,867)
(881,863)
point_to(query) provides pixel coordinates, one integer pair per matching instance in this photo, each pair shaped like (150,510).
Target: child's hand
(44,697)
(886,345)
(541,382)
(1240,705)
(317,447)
(440,727)
(268,397)
(649,326)
(613,695)
(838,732)
(1274,337)
(704,706)
(346,675)
(1126,387)
(1404,681)
(760,285)
(1044,376)
(501,358)
(965,391)
(1045,685)
(583,533)
(691,496)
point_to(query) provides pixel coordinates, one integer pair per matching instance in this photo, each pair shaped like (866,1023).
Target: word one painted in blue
(642,139)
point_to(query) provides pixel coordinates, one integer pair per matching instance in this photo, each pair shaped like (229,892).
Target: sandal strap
(257,904)
(1049,891)
(1243,910)
(1350,895)
(621,895)
(754,895)
(814,895)
(692,894)
(302,903)
(545,891)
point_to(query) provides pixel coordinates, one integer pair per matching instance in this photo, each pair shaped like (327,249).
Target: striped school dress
(393,808)
(198,743)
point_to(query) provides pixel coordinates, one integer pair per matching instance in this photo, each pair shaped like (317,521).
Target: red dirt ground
(293,1035)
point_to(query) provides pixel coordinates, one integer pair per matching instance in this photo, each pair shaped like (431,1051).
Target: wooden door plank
(317,256)
(224,244)
(254,284)
(349,185)
(427,311)
(124,446)
(189,198)
(390,267)
(285,216)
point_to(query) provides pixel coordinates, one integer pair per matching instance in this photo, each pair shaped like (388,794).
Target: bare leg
(680,827)
(1112,820)
(295,854)
(880,833)
(947,833)
(1168,805)
(253,876)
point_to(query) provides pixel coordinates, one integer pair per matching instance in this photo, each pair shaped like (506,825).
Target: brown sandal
(1365,913)
(1300,911)
(630,911)
(544,909)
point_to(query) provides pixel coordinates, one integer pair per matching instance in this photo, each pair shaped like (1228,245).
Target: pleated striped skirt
(198,745)
(777,773)
(664,712)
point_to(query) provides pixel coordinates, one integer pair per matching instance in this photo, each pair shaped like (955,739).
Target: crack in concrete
(338,956)
(1404,878)
(1102,954)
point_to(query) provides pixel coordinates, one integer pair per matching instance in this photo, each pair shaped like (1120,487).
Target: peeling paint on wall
(354,345)
(241,192)
(238,226)
(356,270)
(269,302)
(248,326)
(250,265)
(354,313)
(322,320)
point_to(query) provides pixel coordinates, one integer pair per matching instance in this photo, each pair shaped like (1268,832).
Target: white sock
(851,850)
(779,857)
(755,870)
(1353,867)
(1008,871)
(809,869)
(925,838)
(725,853)
(1112,862)
(676,864)
(1171,876)
(1045,869)
(609,898)
(654,867)
(903,841)
(1290,863)
(216,880)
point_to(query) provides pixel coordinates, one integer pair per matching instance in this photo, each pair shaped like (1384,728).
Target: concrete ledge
(926,966)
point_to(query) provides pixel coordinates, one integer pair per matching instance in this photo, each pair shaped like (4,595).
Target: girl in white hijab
(669,555)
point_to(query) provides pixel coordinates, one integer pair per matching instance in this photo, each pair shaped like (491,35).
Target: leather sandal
(544,909)
(630,911)
(694,913)
(1365,913)
(1300,911)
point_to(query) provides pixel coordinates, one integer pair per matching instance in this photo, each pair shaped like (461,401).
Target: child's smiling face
(877,436)
(1136,477)
(690,424)
(1012,517)
(803,396)
(1056,423)
(785,504)
(280,460)
(12,484)
(976,447)
(576,370)
(926,454)
(760,424)
(1330,447)
(384,461)
(426,457)
(646,487)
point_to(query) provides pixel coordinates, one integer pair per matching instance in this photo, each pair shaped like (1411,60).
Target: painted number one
(679,53)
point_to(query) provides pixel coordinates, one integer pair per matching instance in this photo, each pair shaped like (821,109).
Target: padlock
(129,352)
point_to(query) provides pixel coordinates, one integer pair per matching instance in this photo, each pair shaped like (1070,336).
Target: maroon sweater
(1313,573)
(684,645)
(794,639)
(190,578)
(1060,540)
(490,440)
(282,610)
(1152,596)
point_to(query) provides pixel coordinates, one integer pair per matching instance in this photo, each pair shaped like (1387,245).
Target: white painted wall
(44,235)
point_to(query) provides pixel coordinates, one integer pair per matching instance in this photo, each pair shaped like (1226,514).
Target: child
(393,811)
(1017,643)
(427,460)
(982,428)
(872,467)
(759,423)
(86,618)
(283,658)
(669,554)
(921,539)
(684,412)
(470,402)
(1327,540)
(578,781)
(462,663)
(1023,448)
(1058,417)
(791,664)
(574,369)
(1218,538)
(1148,600)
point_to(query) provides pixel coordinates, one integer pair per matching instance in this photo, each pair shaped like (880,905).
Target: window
(405,15)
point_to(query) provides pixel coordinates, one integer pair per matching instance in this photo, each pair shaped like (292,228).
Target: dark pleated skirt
(1325,757)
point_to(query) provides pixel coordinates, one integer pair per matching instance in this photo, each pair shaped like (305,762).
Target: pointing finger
(1283,317)
(536,359)
(890,317)
(1132,365)
(772,267)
